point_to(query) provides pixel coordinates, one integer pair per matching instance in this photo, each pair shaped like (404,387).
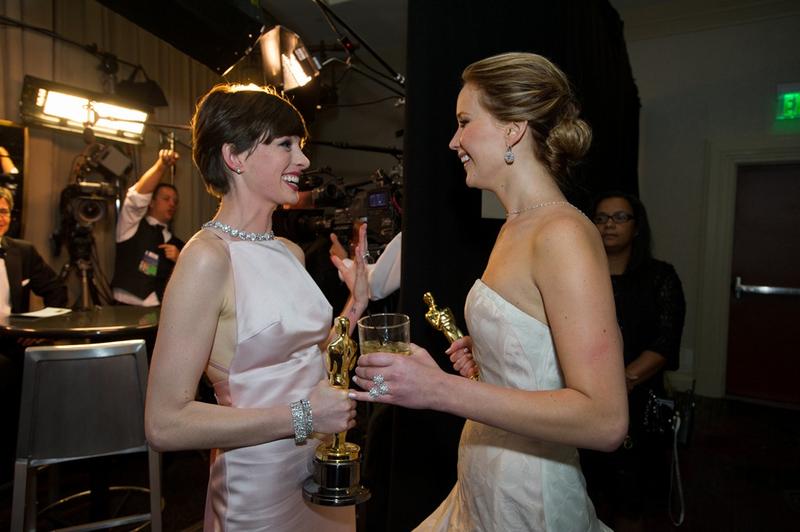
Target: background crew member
(146,252)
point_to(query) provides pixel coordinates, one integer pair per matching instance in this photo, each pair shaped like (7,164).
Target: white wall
(716,86)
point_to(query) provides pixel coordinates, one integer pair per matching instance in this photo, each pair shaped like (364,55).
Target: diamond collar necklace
(238,233)
(545,204)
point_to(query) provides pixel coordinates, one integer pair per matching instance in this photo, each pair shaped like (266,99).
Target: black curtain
(411,455)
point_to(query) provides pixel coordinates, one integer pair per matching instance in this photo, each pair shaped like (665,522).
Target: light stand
(329,14)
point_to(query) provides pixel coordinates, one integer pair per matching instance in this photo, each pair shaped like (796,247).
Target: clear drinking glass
(388,333)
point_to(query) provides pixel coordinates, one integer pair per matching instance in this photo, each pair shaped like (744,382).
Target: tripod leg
(64,273)
(94,291)
(86,301)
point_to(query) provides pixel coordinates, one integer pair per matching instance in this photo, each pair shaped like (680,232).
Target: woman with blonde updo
(541,319)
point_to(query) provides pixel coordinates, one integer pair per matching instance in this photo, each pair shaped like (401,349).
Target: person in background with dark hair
(650,310)
(541,318)
(22,270)
(146,248)
(241,308)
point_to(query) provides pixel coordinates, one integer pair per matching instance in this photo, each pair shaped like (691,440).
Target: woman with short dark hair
(241,308)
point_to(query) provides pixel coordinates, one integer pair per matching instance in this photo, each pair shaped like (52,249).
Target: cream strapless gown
(505,481)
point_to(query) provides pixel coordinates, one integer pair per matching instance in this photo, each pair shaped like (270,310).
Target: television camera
(95,182)
(337,208)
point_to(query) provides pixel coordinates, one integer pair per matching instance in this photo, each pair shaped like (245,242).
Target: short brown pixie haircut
(243,116)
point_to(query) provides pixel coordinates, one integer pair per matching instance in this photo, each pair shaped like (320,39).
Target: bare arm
(150,179)
(643,368)
(591,409)
(134,208)
(173,418)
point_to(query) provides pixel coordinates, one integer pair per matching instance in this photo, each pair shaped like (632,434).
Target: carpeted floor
(740,472)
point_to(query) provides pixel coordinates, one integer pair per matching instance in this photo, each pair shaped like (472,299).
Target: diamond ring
(380,388)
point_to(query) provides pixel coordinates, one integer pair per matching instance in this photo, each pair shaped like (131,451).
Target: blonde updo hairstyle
(525,87)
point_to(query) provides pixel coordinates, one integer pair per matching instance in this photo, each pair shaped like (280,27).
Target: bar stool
(80,402)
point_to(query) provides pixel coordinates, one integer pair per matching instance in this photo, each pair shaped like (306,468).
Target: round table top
(109,321)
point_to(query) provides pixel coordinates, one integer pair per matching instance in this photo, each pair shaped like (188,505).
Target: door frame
(722,159)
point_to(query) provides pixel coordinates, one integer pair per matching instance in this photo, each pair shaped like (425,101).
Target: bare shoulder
(566,229)
(569,263)
(205,255)
(194,288)
(296,250)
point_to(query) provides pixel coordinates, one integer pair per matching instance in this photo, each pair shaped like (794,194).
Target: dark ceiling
(218,32)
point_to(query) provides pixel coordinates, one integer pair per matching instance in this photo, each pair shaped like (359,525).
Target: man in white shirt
(146,248)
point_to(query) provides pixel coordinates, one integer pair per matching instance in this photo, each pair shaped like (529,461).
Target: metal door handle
(739,289)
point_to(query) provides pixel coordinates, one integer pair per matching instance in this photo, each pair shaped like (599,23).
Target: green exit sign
(788,106)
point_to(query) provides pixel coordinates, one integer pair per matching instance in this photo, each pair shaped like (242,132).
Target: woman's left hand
(404,380)
(460,353)
(355,275)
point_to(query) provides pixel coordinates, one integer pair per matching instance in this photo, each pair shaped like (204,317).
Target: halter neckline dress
(281,317)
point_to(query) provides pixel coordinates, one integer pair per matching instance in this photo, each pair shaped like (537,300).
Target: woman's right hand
(408,379)
(331,409)
(460,353)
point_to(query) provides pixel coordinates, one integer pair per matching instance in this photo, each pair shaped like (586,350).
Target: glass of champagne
(387,333)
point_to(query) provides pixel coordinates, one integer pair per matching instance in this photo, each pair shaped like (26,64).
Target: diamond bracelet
(308,415)
(298,422)
(302,420)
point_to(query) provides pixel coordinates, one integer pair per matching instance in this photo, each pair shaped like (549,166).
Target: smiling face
(617,236)
(273,170)
(479,140)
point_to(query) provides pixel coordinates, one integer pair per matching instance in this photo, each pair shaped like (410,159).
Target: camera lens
(90,211)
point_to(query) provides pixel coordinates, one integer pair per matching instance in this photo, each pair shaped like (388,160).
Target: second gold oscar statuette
(443,320)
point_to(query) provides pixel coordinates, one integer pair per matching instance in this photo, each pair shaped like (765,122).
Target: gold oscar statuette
(337,467)
(442,320)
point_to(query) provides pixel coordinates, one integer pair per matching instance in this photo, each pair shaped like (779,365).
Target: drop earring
(508,157)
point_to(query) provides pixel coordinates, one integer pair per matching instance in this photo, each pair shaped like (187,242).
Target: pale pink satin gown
(281,317)
(507,481)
